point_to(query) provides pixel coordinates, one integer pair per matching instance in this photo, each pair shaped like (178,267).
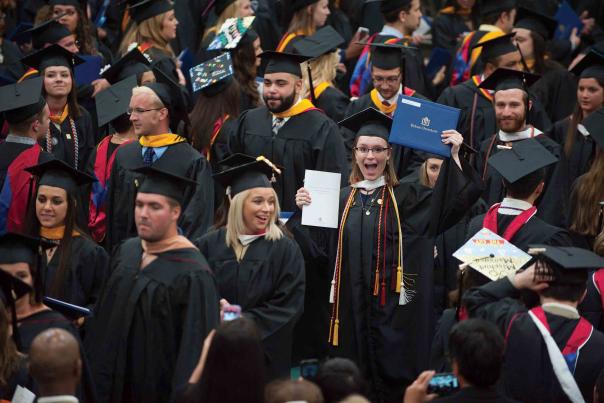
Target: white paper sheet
(324,189)
(23,395)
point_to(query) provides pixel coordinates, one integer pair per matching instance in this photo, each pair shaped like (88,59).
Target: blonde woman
(256,265)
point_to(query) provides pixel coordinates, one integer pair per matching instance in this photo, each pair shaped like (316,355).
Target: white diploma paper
(324,189)
(23,395)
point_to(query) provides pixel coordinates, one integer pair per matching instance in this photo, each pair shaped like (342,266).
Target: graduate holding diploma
(381,295)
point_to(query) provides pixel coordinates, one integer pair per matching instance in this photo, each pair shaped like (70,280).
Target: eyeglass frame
(140,111)
(374,150)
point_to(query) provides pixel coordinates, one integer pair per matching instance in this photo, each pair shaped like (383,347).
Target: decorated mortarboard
(591,66)
(114,101)
(18,248)
(491,255)
(21,33)
(145,9)
(300,4)
(56,173)
(172,96)
(521,159)
(535,21)
(82,4)
(495,47)
(369,122)
(594,125)
(563,262)
(387,56)
(213,76)
(231,33)
(53,55)
(132,63)
(248,174)
(50,31)
(23,100)
(389,6)
(281,62)
(494,6)
(506,79)
(161,182)
(325,40)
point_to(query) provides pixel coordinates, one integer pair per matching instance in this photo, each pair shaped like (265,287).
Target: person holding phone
(257,266)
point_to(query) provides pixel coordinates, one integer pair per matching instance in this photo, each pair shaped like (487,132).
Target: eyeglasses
(389,80)
(374,150)
(140,111)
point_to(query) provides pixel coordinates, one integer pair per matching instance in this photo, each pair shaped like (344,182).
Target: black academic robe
(84,276)
(439,355)
(582,152)
(149,326)
(447,29)
(552,205)
(527,373)
(557,90)
(534,231)
(471,394)
(182,160)
(333,102)
(268,284)
(391,342)
(592,307)
(309,140)
(464,95)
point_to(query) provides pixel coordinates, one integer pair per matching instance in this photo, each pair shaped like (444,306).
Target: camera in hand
(443,384)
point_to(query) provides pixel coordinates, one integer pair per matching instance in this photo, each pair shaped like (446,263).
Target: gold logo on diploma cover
(425,121)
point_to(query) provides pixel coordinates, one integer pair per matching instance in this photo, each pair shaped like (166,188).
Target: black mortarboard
(246,172)
(300,4)
(50,31)
(114,101)
(523,158)
(21,33)
(70,311)
(499,46)
(591,66)
(57,173)
(18,248)
(213,76)
(387,56)
(171,95)
(53,55)
(132,63)
(221,5)
(143,10)
(163,183)
(506,79)
(494,6)
(594,124)
(325,40)
(389,6)
(248,38)
(281,62)
(23,100)
(534,21)
(563,262)
(76,3)
(369,122)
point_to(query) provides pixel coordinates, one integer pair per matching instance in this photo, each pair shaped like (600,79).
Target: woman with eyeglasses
(382,288)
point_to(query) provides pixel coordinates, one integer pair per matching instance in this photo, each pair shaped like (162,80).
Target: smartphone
(309,368)
(231,312)
(363,32)
(443,384)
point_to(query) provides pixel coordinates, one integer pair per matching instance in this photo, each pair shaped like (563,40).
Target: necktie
(385,103)
(277,124)
(148,156)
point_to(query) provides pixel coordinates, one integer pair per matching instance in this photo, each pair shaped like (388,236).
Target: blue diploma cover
(88,71)
(567,20)
(418,124)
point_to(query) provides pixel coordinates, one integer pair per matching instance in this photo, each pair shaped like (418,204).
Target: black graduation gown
(534,231)
(592,307)
(182,160)
(19,377)
(527,372)
(557,90)
(268,284)
(404,159)
(552,204)
(88,269)
(149,326)
(333,102)
(439,355)
(391,343)
(582,153)
(447,29)
(462,96)
(308,140)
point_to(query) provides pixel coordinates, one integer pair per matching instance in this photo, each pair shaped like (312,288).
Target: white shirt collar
(582,129)
(13,138)
(556,308)
(248,239)
(527,133)
(370,184)
(58,399)
(511,206)
(488,28)
(391,31)
(392,100)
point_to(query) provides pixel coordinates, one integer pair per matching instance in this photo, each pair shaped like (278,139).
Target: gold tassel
(376,285)
(399,278)
(336,339)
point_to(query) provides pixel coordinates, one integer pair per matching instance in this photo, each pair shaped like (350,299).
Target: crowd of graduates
(153,156)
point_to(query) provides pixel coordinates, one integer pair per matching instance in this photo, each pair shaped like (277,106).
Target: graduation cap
(59,174)
(221,5)
(21,33)
(50,31)
(143,10)
(53,55)
(389,6)
(281,62)
(231,33)
(212,77)
(171,95)
(23,100)
(494,6)
(534,21)
(387,56)
(76,3)
(564,263)
(163,183)
(246,172)
(114,101)
(521,159)
(506,79)
(132,63)
(325,40)
(300,4)
(369,122)
(591,66)
(594,124)
(495,47)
